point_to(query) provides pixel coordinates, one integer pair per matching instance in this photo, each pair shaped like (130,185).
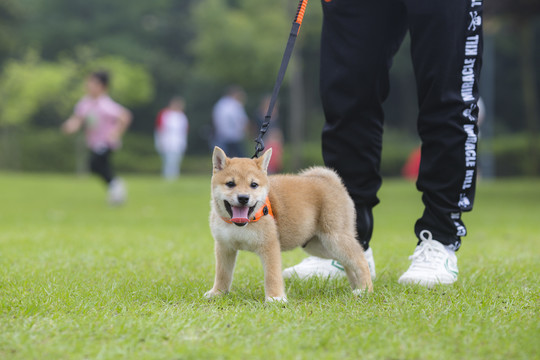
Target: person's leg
(100,165)
(359,39)
(117,187)
(163,156)
(225,146)
(234,149)
(170,165)
(446,47)
(174,165)
(237,149)
(179,162)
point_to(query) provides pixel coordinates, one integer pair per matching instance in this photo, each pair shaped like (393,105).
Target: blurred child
(105,121)
(171,137)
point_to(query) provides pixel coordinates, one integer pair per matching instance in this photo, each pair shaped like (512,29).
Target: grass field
(80,280)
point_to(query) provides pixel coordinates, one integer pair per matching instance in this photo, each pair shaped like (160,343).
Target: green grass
(80,280)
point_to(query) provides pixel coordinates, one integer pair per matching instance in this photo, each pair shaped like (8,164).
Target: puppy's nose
(243,199)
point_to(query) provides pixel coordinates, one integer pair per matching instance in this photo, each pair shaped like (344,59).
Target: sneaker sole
(429,283)
(290,275)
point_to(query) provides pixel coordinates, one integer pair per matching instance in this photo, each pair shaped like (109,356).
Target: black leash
(259,143)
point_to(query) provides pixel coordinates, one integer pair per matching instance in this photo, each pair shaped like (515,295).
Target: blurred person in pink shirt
(104,121)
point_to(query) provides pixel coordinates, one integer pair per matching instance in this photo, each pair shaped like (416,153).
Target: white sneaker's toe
(432,264)
(315,267)
(289,273)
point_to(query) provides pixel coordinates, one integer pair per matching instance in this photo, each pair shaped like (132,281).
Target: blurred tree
(33,86)
(10,17)
(196,47)
(25,86)
(29,85)
(240,43)
(522,13)
(154,34)
(243,42)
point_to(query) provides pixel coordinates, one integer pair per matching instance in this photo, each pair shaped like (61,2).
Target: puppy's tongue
(240,214)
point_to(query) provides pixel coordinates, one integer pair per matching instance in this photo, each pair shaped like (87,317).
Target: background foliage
(196,48)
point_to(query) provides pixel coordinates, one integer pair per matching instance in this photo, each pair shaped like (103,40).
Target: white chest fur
(249,237)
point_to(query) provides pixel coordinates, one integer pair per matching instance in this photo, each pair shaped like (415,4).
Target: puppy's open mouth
(239,214)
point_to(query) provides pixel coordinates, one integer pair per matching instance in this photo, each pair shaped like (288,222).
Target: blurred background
(161,48)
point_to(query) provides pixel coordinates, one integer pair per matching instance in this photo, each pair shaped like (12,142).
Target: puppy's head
(239,185)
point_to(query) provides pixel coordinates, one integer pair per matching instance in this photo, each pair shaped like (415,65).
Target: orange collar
(266,209)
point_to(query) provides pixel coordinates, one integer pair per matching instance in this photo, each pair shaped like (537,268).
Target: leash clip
(259,147)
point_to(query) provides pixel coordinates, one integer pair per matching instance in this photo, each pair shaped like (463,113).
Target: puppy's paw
(277,299)
(213,293)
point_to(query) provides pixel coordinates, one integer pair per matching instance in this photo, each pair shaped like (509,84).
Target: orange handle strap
(300,12)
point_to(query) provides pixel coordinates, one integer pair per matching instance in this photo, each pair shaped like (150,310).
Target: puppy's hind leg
(347,250)
(225,261)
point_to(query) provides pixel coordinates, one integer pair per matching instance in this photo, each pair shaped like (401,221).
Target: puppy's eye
(230,184)
(254,185)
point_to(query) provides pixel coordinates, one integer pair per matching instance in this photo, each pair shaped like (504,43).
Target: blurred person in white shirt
(171,137)
(230,122)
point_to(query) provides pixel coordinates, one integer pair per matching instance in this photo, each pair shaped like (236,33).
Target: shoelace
(426,252)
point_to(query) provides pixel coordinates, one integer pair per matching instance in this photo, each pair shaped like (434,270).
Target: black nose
(243,199)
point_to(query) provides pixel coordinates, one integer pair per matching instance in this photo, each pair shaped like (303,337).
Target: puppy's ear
(265,160)
(219,159)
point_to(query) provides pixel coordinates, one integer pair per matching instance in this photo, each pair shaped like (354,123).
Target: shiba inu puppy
(269,214)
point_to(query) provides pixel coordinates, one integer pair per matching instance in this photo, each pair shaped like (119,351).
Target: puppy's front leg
(270,254)
(225,261)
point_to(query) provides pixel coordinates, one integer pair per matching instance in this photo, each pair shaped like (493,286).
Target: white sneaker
(314,266)
(371,262)
(432,264)
(117,192)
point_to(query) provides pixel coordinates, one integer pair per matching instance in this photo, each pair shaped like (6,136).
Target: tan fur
(312,209)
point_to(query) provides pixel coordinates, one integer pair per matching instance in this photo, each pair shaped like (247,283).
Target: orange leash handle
(300,12)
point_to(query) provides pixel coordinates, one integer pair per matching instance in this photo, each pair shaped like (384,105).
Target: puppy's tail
(323,173)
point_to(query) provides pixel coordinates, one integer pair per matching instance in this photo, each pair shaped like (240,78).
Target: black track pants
(100,164)
(359,39)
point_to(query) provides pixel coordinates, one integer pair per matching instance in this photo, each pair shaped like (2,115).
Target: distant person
(412,167)
(105,121)
(274,141)
(230,122)
(274,136)
(171,137)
